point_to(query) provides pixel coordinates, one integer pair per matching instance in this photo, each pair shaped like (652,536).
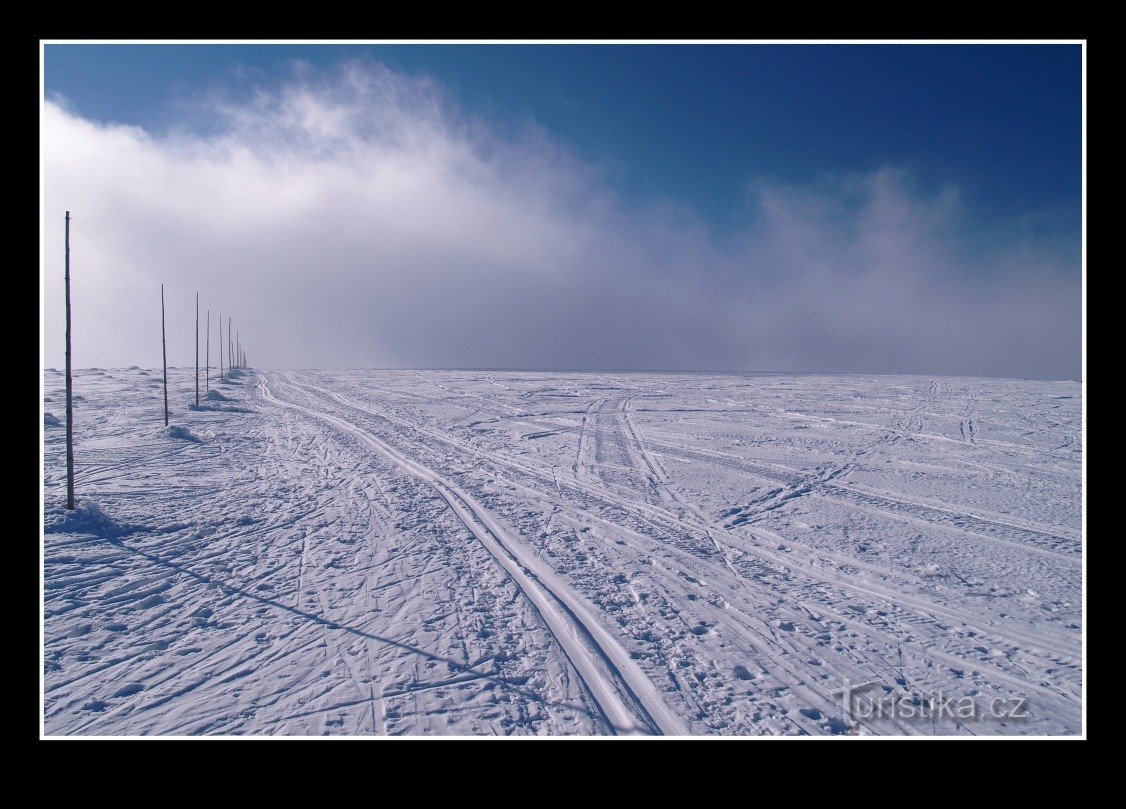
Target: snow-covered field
(479,553)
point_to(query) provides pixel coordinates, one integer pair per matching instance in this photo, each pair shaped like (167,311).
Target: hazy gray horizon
(625,371)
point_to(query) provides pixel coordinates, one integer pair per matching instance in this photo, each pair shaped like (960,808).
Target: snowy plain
(522,553)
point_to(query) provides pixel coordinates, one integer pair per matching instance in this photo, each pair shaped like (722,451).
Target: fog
(357,218)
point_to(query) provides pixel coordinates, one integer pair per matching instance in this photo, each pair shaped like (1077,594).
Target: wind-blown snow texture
(396,552)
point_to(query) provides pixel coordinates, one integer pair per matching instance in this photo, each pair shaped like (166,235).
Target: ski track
(494,553)
(569,619)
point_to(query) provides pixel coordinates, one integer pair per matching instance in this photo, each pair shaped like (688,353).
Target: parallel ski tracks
(625,696)
(697,525)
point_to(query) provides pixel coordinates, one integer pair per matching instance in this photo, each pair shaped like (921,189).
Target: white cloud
(353,218)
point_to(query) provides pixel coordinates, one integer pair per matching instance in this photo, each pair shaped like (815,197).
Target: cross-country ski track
(613,679)
(515,553)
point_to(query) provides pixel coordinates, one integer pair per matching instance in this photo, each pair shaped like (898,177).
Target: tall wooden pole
(197,349)
(69,385)
(164,350)
(207,356)
(230,346)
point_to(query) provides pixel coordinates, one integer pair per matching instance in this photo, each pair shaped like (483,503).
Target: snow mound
(215,396)
(219,408)
(49,420)
(182,433)
(87,518)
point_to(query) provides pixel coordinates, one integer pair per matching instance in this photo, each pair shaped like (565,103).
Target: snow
(493,553)
(86,518)
(179,433)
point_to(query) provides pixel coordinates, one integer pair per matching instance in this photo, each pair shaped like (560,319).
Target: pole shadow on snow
(330,624)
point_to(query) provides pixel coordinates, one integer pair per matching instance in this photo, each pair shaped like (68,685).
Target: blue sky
(694,123)
(968,154)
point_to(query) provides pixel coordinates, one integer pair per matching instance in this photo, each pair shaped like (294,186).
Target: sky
(904,209)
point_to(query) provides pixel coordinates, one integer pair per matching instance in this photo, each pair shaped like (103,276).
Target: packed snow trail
(893,596)
(304,588)
(570,621)
(480,552)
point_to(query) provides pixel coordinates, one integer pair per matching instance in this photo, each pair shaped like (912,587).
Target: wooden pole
(164,350)
(220,347)
(69,385)
(207,356)
(197,349)
(230,346)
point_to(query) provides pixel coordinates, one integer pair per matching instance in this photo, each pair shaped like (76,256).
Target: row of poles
(236,358)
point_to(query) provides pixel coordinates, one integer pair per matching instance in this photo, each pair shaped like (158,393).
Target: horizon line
(693,372)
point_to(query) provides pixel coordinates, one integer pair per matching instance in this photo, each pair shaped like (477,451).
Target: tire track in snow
(580,465)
